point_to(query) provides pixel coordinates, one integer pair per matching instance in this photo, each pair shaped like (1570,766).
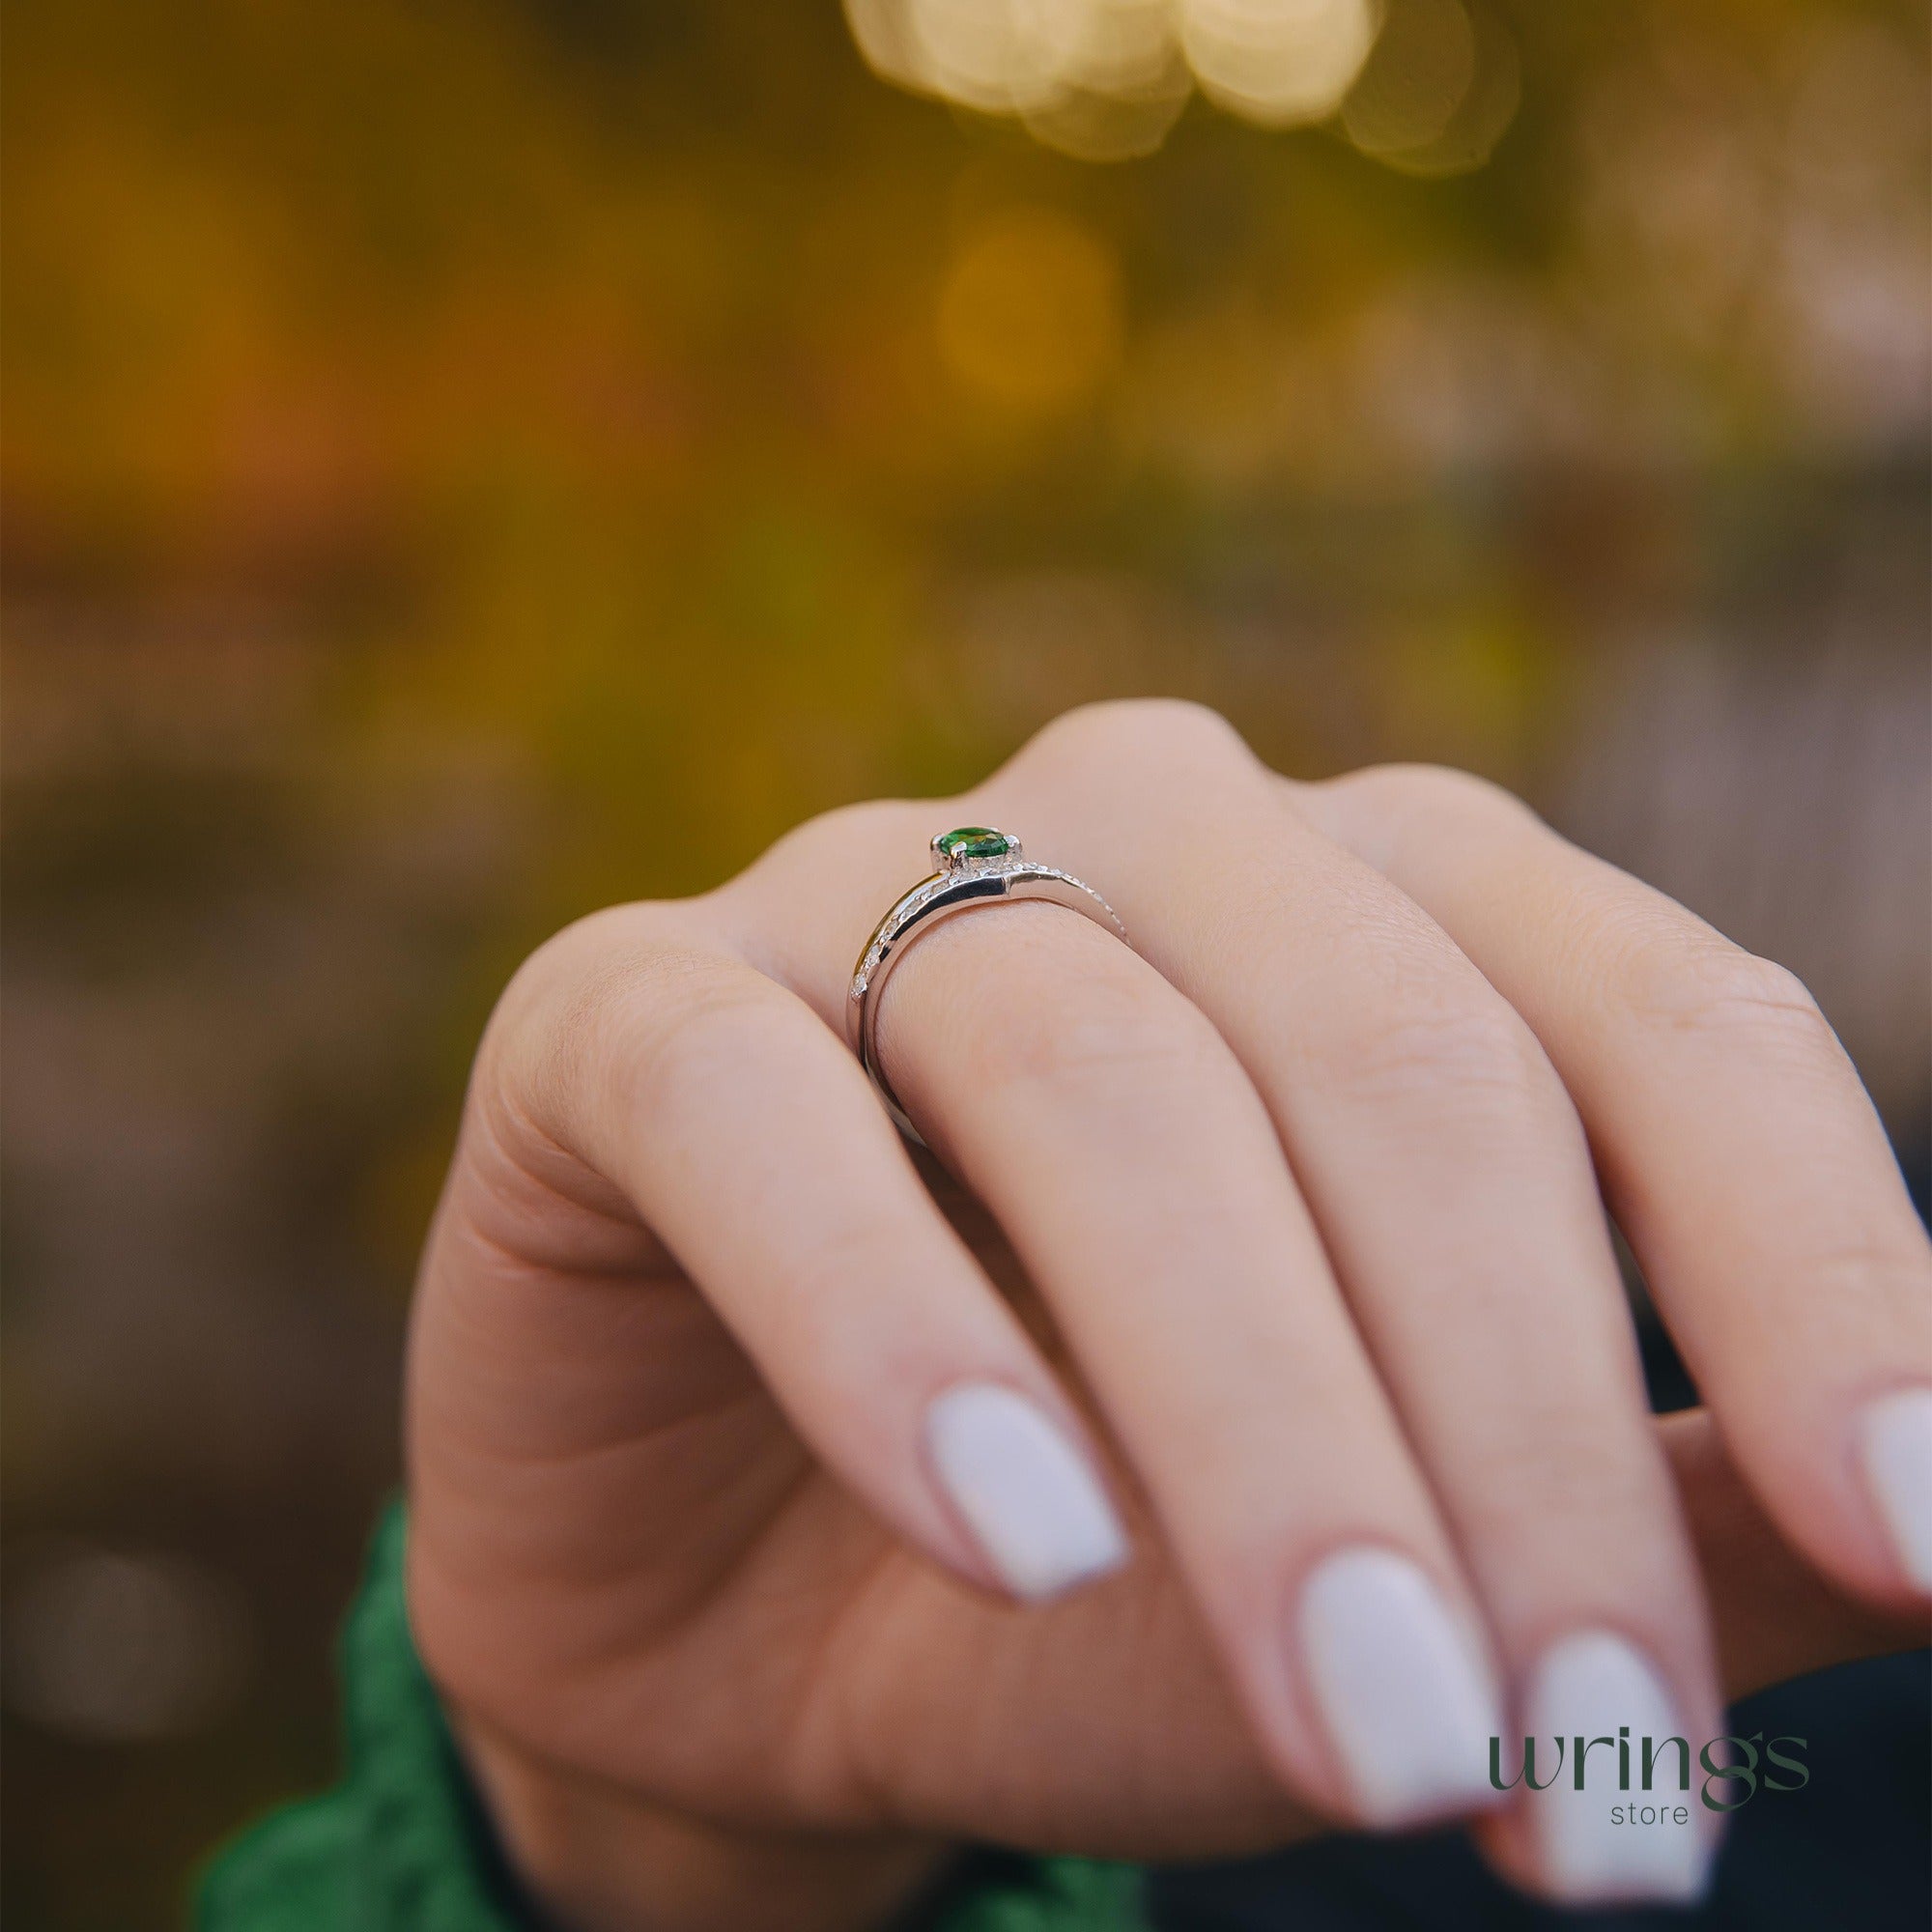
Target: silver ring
(977,867)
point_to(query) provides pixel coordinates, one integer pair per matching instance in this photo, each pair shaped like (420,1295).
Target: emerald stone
(972,841)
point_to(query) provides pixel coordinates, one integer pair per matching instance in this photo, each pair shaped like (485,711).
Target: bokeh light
(1426,85)
(1420,72)
(1030,313)
(113,1646)
(1281,63)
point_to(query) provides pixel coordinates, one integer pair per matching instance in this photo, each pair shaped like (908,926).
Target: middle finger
(1452,1188)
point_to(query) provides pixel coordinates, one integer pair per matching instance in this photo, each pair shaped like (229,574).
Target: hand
(734,1431)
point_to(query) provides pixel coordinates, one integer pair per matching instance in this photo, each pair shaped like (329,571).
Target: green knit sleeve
(399,1844)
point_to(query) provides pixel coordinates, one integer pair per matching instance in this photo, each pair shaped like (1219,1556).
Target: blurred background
(469,462)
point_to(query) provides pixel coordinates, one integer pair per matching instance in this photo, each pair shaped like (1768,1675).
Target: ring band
(977,867)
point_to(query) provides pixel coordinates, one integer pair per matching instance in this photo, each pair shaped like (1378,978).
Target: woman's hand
(1262,1270)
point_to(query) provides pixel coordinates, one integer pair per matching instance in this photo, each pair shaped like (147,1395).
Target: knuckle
(1166,730)
(1872,1286)
(1460,1052)
(1567,1471)
(555,988)
(848,835)
(859,825)
(1556,1472)
(574,949)
(1099,1046)
(688,1026)
(1702,981)
(1424,788)
(629,997)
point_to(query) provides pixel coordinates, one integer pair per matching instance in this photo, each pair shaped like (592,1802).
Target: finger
(1737,1149)
(1164,1766)
(1452,1188)
(721,1113)
(1773,1615)
(1131,1165)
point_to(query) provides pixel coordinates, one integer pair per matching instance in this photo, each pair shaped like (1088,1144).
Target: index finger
(640,1065)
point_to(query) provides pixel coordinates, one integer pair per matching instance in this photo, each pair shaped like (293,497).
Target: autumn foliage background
(467,461)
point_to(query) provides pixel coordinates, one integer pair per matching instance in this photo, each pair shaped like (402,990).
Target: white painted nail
(1593,1686)
(1407,1697)
(1025,1490)
(1896,1438)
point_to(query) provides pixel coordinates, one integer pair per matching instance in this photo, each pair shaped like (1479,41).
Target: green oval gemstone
(972,841)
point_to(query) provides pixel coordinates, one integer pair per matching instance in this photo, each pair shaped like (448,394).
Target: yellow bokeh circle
(1031,313)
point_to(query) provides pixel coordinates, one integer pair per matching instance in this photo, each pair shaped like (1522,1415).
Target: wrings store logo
(1754,1764)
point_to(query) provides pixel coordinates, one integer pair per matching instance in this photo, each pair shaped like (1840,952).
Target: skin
(718,1646)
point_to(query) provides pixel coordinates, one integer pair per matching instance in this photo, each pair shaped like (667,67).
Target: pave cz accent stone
(972,841)
(928,890)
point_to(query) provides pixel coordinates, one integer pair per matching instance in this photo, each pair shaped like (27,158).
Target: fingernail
(1026,1492)
(1594,1686)
(1407,1699)
(1896,1437)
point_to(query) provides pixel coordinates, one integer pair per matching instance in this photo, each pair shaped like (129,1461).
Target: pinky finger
(1735,1146)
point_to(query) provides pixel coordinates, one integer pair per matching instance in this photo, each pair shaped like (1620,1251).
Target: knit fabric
(400,1845)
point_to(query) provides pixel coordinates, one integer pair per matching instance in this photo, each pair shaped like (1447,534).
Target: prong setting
(973,845)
